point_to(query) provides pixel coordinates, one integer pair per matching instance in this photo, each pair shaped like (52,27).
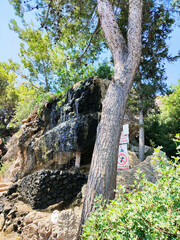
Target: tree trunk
(102,176)
(141,135)
(77,161)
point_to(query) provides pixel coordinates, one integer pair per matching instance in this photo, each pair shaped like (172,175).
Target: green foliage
(5,167)
(47,64)
(170,107)
(104,70)
(8,92)
(61,51)
(40,58)
(70,23)
(16,101)
(27,95)
(150,79)
(42,99)
(161,127)
(158,133)
(150,212)
(68,76)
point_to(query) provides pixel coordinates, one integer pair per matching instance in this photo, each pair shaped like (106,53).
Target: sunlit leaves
(161,127)
(8,92)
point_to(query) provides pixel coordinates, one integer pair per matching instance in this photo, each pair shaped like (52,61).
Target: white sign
(124,138)
(125,134)
(126,129)
(123,159)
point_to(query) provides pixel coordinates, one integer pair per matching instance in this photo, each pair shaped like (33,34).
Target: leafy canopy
(60,52)
(72,25)
(151,77)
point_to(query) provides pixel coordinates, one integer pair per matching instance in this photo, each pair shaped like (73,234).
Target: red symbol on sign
(122,159)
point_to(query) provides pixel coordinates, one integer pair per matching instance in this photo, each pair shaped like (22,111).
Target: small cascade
(76,106)
(60,159)
(62,115)
(69,97)
(53,117)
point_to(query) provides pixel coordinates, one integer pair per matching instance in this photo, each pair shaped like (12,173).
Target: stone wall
(44,188)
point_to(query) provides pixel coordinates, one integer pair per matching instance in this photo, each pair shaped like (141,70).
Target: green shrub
(150,212)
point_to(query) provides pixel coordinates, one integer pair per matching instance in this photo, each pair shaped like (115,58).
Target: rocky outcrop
(62,225)
(38,227)
(11,220)
(17,217)
(65,125)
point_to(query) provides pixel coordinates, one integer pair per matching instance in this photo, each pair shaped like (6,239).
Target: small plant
(151,211)
(4,168)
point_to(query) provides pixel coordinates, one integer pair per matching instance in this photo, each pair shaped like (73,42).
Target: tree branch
(47,14)
(112,32)
(160,229)
(92,35)
(152,225)
(134,32)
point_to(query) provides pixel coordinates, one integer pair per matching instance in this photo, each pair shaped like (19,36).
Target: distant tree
(40,58)
(104,70)
(170,106)
(151,79)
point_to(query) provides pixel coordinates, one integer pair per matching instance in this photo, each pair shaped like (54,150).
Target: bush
(150,212)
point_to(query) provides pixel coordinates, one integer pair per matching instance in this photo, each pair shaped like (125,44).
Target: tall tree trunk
(141,135)
(141,122)
(102,176)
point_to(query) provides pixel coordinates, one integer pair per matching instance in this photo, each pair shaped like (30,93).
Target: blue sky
(9,43)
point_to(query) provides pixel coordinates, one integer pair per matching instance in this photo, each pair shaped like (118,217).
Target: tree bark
(102,176)
(141,135)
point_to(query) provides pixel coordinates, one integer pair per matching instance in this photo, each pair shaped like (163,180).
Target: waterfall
(76,105)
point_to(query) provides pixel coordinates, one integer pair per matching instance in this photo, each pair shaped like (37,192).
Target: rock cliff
(66,125)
